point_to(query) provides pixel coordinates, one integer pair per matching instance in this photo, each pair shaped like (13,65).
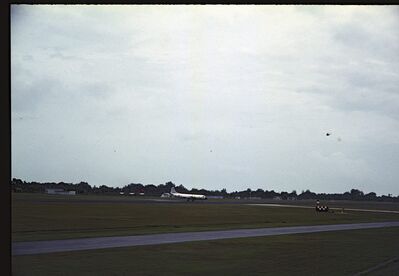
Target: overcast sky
(209,97)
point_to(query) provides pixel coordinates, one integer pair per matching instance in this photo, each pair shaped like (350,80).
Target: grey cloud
(149,94)
(365,35)
(29,96)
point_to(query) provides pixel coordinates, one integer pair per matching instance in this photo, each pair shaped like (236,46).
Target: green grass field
(45,217)
(389,269)
(29,197)
(330,253)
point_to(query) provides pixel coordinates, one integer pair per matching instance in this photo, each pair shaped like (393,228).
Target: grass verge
(330,253)
(42,220)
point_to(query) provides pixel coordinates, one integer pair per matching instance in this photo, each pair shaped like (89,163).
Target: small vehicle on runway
(321,208)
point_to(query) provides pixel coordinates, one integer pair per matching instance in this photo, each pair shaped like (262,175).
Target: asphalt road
(38,247)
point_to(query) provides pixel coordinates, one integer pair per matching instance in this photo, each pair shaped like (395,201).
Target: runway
(39,247)
(332,208)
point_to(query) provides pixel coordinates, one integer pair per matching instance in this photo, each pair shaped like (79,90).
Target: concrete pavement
(38,247)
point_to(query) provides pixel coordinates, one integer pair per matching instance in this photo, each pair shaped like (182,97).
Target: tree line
(157,190)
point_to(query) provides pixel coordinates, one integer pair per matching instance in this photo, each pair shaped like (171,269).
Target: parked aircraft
(189,197)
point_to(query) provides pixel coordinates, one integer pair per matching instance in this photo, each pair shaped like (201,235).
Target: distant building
(17,190)
(215,197)
(255,198)
(59,192)
(277,198)
(165,195)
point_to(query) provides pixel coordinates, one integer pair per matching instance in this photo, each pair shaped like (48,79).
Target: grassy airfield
(329,253)
(46,217)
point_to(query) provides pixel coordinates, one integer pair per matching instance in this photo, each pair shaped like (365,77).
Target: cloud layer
(207,96)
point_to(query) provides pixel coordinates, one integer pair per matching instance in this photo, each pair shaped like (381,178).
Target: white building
(59,192)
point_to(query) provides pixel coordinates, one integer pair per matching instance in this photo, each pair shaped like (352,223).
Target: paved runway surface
(37,247)
(333,208)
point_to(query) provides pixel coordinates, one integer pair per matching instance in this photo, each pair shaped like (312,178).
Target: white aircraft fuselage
(186,196)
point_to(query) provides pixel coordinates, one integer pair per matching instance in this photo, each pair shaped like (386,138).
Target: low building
(59,192)
(255,198)
(165,195)
(17,190)
(215,197)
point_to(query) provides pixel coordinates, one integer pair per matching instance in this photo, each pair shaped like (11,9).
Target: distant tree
(356,194)
(271,194)
(284,195)
(307,195)
(151,189)
(83,188)
(104,189)
(182,189)
(370,196)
